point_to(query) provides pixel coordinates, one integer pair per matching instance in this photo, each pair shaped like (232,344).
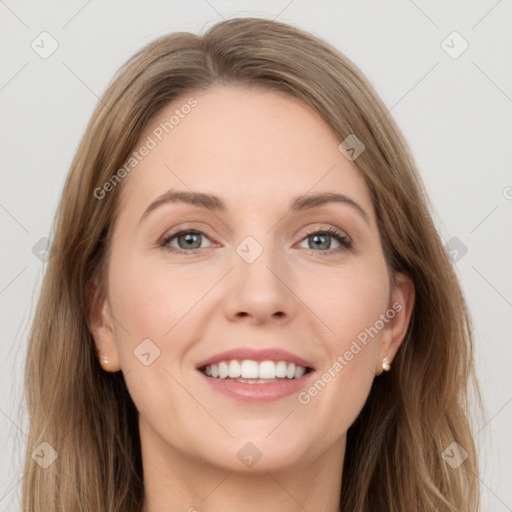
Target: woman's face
(252,272)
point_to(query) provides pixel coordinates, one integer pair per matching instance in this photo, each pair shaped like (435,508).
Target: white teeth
(267,370)
(234,369)
(290,371)
(223,370)
(249,369)
(299,371)
(281,369)
(254,371)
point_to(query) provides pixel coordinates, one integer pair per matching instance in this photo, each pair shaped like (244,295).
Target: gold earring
(104,362)
(385,364)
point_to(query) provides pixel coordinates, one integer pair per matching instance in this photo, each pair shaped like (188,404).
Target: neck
(174,481)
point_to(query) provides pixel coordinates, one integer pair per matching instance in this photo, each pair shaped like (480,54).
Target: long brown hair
(396,448)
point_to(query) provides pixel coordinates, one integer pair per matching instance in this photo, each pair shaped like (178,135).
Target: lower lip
(258,392)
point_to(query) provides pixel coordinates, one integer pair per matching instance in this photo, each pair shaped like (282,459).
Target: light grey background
(455,112)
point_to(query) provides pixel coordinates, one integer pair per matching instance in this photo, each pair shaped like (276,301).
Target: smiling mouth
(255,372)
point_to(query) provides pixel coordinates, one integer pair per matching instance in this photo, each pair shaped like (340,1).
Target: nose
(260,292)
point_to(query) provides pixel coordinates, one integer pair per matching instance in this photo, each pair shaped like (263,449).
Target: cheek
(347,299)
(150,297)
(348,302)
(150,302)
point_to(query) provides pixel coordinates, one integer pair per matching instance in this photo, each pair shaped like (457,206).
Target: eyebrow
(214,203)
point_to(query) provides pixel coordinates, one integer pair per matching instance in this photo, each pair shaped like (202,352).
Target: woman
(245,247)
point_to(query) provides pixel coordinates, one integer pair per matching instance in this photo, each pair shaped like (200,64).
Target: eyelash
(346,244)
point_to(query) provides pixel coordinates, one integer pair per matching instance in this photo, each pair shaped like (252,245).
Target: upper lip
(255,354)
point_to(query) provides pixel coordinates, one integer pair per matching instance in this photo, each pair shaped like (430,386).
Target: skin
(256,150)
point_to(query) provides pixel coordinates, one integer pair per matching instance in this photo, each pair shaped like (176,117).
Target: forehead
(249,145)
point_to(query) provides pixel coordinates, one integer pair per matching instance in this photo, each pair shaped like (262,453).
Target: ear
(401,302)
(101,325)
